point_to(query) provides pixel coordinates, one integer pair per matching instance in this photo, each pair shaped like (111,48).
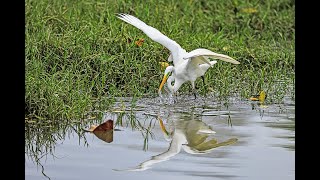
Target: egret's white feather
(154,34)
(206,52)
(200,60)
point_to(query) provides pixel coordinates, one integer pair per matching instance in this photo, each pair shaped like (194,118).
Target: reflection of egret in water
(194,136)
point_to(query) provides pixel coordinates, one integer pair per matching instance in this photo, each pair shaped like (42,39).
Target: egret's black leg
(202,77)
(194,90)
(205,87)
(190,88)
(175,96)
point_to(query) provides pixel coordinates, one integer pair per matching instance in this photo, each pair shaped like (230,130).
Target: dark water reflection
(190,134)
(190,140)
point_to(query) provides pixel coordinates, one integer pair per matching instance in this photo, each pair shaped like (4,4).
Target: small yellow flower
(261,97)
(163,65)
(226,48)
(249,10)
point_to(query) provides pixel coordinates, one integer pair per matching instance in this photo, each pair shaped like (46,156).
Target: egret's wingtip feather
(119,15)
(235,61)
(125,18)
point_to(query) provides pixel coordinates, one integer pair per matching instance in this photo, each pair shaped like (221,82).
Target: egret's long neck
(169,84)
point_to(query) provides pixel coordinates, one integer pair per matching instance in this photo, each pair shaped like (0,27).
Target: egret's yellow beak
(163,128)
(164,80)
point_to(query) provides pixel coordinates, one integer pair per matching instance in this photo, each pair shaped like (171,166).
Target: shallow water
(191,139)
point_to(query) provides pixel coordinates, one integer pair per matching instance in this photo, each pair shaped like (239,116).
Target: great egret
(188,66)
(198,71)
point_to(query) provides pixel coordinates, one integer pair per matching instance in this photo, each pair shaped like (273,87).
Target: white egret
(188,66)
(198,71)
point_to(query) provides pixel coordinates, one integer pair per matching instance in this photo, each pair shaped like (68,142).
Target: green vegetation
(79,56)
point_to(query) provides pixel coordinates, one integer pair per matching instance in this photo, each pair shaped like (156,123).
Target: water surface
(192,139)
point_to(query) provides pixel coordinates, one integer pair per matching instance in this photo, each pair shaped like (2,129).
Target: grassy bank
(79,55)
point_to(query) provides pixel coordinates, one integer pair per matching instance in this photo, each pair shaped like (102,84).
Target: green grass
(79,55)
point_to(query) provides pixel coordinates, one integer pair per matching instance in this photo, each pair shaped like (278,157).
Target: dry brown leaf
(139,42)
(92,127)
(104,131)
(108,125)
(106,136)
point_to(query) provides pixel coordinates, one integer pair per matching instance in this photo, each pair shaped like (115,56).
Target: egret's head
(167,73)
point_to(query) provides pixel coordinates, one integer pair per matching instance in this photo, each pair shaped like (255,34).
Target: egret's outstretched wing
(208,53)
(196,60)
(198,65)
(153,33)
